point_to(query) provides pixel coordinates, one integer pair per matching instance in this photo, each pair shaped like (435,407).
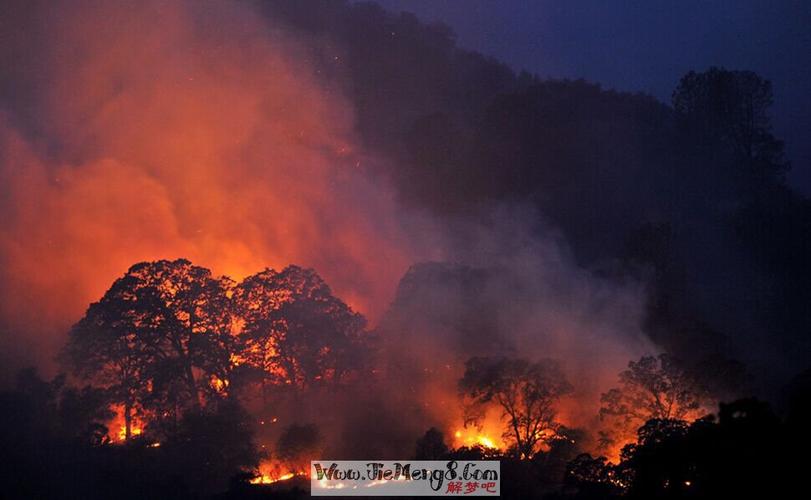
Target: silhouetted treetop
(295,330)
(464,133)
(431,446)
(168,336)
(731,107)
(652,389)
(158,338)
(527,394)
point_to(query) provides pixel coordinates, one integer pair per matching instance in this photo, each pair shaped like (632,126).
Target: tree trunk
(187,355)
(127,421)
(195,395)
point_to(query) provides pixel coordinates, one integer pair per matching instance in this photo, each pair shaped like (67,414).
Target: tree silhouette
(526,392)
(731,107)
(298,445)
(110,348)
(744,453)
(651,388)
(75,415)
(160,338)
(295,331)
(211,445)
(593,477)
(431,446)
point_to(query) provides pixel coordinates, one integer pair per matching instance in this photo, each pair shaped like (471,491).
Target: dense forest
(179,383)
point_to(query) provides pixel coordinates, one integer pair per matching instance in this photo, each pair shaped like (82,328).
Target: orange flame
(271,472)
(234,165)
(118,428)
(486,437)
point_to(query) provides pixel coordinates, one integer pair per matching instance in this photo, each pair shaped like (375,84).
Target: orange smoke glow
(171,139)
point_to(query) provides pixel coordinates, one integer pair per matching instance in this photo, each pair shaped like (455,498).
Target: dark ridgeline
(689,197)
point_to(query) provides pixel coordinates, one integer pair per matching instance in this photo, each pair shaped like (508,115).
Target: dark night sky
(646,45)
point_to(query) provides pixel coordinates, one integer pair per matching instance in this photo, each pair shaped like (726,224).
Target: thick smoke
(503,291)
(508,293)
(135,131)
(141,131)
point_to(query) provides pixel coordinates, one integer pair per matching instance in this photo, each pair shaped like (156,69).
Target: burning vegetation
(256,378)
(550,311)
(170,346)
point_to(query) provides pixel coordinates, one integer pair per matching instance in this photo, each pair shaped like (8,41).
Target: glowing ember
(266,479)
(118,428)
(476,437)
(272,471)
(486,442)
(219,385)
(122,432)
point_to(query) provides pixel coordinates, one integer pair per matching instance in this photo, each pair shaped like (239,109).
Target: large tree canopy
(526,392)
(654,387)
(157,337)
(731,108)
(295,330)
(169,336)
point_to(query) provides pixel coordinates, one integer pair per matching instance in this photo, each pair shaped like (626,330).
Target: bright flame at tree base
(118,428)
(271,471)
(475,437)
(266,479)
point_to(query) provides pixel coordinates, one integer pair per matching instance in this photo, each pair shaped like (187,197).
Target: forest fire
(278,359)
(118,426)
(133,185)
(126,195)
(240,236)
(468,436)
(122,432)
(267,475)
